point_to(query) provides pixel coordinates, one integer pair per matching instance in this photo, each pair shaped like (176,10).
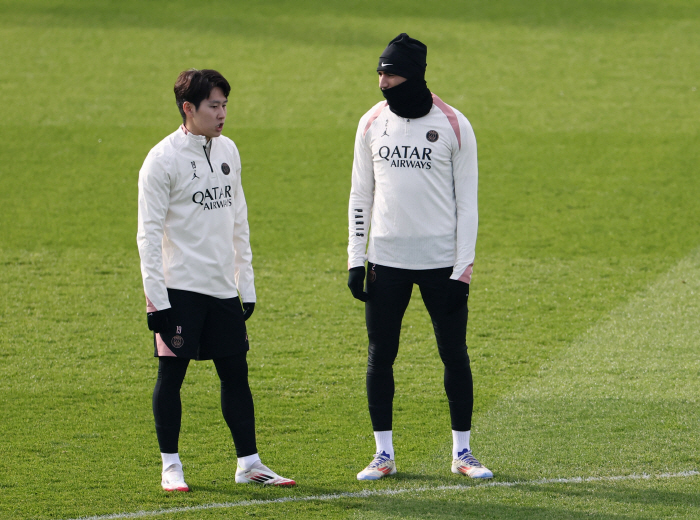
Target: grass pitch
(584,301)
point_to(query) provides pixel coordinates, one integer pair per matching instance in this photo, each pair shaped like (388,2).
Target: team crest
(177,341)
(225,168)
(432,136)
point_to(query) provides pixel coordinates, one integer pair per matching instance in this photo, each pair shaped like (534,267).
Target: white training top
(193,220)
(414,191)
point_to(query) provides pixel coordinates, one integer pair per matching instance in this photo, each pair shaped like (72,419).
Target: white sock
(170,458)
(384,442)
(460,442)
(245,463)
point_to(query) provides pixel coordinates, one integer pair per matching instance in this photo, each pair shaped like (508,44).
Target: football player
(196,262)
(413,215)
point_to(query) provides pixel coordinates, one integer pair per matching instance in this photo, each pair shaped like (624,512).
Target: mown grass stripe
(389,492)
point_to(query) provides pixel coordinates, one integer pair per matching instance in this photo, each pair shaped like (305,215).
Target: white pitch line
(386,492)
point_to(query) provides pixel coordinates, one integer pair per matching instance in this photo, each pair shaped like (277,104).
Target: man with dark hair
(196,260)
(414,196)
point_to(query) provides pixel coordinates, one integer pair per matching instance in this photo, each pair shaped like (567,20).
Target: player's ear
(188,108)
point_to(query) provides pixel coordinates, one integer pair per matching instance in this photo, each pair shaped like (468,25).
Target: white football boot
(380,466)
(261,474)
(466,464)
(173,479)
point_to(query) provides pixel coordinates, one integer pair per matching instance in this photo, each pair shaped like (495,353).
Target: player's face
(208,119)
(387,80)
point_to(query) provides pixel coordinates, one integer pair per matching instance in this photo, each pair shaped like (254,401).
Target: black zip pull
(207,156)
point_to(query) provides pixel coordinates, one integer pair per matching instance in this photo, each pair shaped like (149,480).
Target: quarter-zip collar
(200,142)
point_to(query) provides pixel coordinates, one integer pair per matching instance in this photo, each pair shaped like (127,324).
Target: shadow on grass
(436,508)
(569,503)
(620,493)
(229,492)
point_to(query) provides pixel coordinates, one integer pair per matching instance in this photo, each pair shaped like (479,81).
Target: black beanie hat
(404,56)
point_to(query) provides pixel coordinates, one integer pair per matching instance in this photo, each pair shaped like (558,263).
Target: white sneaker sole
(375,475)
(474,472)
(265,479)
(184,489)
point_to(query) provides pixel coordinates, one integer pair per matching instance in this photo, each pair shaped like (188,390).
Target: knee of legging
(232,368)
(455,359)
(380,359)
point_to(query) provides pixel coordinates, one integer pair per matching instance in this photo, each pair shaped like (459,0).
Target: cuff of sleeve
(356,262)
(247,297)
(466,275)
(150,307)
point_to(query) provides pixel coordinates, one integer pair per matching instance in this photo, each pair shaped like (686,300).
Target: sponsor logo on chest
(406,156)
(214,198)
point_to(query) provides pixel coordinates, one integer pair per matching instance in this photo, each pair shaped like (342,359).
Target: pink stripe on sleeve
(374,116)
(451,117)
(467,274)
(163,350)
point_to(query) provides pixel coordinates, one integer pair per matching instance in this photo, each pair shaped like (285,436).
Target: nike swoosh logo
(386,64)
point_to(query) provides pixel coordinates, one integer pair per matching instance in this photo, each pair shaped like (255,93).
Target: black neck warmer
(410,99)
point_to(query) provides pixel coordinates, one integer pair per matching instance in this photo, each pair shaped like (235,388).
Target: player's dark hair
(196,85)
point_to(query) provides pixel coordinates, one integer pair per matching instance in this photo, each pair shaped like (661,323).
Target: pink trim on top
(184,129)
(451,117)
(149,306)
(163,350)
(467,274)
(374,116)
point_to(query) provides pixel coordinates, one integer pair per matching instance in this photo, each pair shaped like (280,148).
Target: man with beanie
(196,261)
(414,198)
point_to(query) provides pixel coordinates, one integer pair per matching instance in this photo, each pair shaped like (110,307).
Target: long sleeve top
(414,191)
(193,230)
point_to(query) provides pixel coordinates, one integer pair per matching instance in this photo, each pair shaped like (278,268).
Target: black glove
(159,321)
(356,282)
(457,293)
(248,308)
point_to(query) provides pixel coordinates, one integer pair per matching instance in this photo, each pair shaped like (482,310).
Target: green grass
(583,308)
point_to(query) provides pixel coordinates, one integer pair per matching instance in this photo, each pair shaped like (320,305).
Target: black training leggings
(236,402)
(389,294)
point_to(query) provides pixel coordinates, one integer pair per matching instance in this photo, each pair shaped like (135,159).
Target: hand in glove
(159,321)
(248,308)
(356,283)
